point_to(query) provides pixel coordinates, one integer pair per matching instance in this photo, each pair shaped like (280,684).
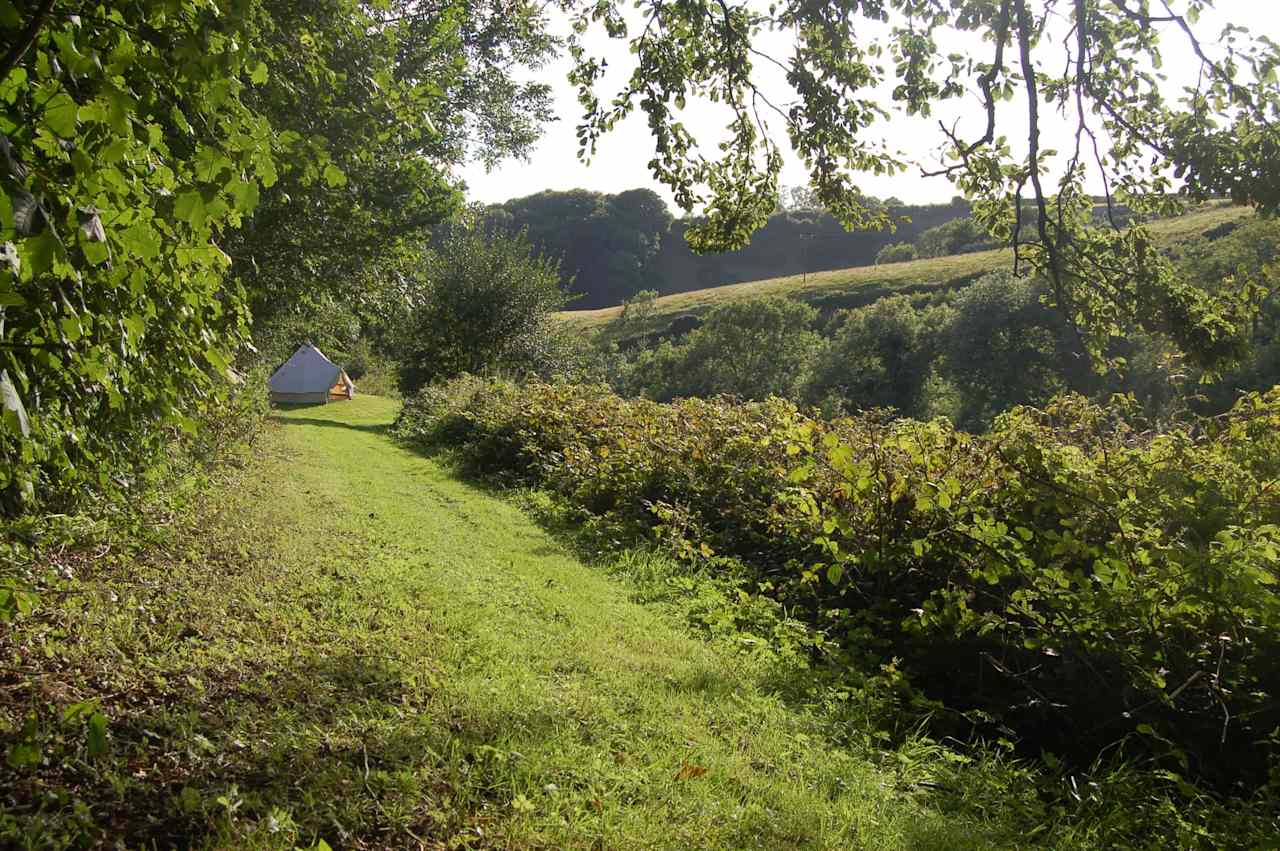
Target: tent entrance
(341,391)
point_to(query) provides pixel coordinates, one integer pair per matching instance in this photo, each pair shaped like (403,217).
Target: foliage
(394,91)
(752,348)
(1090,60)
(638,309)
(958,236)
(969,350)
(605,244)
(896,252)
(881,357)
(128,149)
(261,692)
(611,247)
(1004,346)
(481,304)
(167,166)
(1069,580)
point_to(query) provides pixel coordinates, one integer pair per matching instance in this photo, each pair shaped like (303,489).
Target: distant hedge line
(1065,581)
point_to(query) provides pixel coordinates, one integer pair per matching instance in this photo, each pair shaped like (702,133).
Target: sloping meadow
(1066,582)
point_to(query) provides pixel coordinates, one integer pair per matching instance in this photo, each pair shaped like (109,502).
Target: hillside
(860,285)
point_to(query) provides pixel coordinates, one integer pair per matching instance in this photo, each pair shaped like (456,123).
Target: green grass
(863,284)
(341,640)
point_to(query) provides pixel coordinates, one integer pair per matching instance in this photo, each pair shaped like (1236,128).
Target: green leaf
(136,325)
(79,710)
(141,239)
(96,735)
(14,412)
(245,193)
(40,252)
(834,574)
(334,176)
(94,252)
(266,168)
(60,115)
(216,358)
(180,120)
(190,207)
(24,755)
(209,163)
(259,74)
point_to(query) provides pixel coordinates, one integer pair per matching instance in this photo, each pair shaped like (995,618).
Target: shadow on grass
(342,746)
(369,428)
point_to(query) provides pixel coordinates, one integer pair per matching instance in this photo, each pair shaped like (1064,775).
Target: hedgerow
(1068,582)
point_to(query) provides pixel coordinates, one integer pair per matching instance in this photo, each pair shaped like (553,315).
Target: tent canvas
(309,376)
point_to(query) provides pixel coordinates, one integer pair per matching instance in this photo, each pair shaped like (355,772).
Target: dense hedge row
(1065,580)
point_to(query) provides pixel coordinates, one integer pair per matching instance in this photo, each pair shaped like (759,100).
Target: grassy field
(863,284)
(339,641)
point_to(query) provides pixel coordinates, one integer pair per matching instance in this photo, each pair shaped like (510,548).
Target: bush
(896,252)
(1003,346)
(484,304)
(750,348)
(1085,587)
(880,357)
(958,236)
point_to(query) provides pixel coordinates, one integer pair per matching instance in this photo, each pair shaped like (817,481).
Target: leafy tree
(880,357)
(395,91)
(138,139)
(751,348)
(127,148)
(1089,59)
(483,304)
(1005,347)
(604,243)
(958,236)
(638,308)
(896,252)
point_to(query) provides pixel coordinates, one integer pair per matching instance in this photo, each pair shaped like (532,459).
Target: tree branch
(26,39)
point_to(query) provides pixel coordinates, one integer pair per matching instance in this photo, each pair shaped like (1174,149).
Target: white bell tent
(309,376)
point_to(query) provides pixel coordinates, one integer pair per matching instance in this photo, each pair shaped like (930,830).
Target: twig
(26,39)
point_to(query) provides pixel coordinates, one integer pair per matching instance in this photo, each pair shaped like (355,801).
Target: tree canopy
(168,165)
(173,170)
(1096,61)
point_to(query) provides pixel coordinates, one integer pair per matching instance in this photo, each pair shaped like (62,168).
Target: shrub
(750,348)
(958,236)
(1067,580)
(1003,346)
(880,357)
(896,252)
(484,304)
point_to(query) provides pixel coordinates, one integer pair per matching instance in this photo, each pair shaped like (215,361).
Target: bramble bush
(1068,581)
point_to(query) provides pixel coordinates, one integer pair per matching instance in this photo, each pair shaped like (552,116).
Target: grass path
(358,647)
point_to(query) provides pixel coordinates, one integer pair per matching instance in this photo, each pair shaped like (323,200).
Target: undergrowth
(1085,605)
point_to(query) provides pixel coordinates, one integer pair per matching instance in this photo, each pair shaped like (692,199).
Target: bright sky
(620,162)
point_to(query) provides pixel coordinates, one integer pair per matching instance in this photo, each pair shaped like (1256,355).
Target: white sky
(620,162)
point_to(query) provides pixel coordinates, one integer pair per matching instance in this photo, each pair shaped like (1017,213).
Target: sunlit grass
(346,642)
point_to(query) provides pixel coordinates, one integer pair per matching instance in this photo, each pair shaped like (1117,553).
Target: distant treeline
(613,246)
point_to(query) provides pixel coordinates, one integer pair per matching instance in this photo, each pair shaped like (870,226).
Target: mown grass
(338,640)
(863,284)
